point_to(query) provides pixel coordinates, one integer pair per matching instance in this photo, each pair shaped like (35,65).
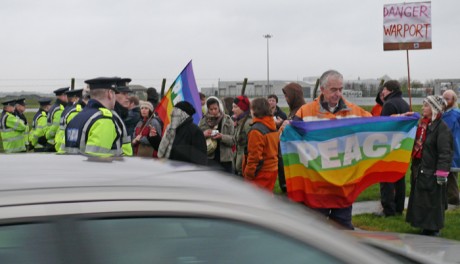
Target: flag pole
(408,81)
(243,89)
(163,85)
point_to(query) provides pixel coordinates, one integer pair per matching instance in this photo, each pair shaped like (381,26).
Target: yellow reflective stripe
(99,149)
(12,139)
(70,150)
(19,149)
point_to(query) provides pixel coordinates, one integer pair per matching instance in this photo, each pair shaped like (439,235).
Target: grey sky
(151,40)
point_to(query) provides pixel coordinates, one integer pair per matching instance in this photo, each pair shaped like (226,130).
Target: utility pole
(268,36)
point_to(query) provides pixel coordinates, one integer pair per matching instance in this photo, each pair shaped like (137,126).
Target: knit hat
(146,105)
(186,107)
(438,105)
(242,102)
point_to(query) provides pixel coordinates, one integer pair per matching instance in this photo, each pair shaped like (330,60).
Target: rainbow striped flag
(328,164)
(182,89)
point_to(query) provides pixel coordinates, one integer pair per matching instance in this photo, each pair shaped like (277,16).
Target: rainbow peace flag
(328,164)
(182,89)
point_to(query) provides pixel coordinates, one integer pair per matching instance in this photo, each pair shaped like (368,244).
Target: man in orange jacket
(331,105)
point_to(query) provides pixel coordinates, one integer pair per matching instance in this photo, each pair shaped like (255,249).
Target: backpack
(263,129)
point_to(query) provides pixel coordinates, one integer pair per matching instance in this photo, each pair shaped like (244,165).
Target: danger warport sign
(407,26)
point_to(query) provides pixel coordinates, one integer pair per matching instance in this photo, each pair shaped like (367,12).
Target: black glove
(42,140)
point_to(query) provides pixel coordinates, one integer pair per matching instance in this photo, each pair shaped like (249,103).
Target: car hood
(440,249)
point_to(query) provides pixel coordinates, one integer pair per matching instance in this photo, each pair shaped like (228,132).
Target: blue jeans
(342,216)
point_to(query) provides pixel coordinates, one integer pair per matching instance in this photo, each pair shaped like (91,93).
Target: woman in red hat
(242,117)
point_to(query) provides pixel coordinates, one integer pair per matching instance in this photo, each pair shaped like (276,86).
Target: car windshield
(191,240)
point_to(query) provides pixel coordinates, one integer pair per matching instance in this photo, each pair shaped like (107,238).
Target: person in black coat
(392,195)
(431,161)
(183,140)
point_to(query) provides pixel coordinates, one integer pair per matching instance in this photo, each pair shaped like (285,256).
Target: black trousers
(392,196)
(452,189)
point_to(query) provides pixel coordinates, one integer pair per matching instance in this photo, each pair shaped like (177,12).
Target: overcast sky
(148,40)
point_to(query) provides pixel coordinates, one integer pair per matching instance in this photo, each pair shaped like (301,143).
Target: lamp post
(268,36)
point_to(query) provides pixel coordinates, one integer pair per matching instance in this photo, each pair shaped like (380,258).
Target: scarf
(177,118)
(243,115)
(145,128)
(420,137)
(213,120)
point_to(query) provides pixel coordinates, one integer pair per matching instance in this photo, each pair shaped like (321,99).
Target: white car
(75,209)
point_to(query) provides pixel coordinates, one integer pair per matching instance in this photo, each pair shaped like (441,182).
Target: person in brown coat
(294,98)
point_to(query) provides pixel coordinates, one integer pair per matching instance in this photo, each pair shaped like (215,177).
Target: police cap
(61,91)
(21,101)
(74,93)
(10,102)
(103,83)
(44,101)
(124,89)
(123,82)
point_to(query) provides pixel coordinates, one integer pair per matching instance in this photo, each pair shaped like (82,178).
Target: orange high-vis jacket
(314,111)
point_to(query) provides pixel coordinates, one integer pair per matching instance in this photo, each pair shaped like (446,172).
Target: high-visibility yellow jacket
(97,131)
(54,116)
(12,130)
(39,125)
(67,115)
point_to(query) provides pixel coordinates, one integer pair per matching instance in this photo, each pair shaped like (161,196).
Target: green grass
(398,224)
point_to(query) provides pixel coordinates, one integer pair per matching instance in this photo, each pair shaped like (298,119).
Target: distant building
(139,90)
(255,88)
(441,85)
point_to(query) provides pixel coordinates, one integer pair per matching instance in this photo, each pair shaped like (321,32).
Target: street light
(268,36)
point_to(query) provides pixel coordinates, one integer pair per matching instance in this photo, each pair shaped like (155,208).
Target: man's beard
(450,105)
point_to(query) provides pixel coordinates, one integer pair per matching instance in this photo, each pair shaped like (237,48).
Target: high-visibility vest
(97,131)
(67,115)
(54,116)
(39,126)
(12,131)
(24,120)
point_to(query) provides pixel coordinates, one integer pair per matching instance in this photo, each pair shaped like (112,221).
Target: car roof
(30,179)
(39,172)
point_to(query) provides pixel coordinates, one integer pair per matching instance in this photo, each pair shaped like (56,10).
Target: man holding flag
(331,105)
(330,157)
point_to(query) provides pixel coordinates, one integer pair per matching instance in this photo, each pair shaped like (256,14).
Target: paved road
(369,207)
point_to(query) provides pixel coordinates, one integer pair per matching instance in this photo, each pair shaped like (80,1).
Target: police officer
(96,130)
(54,116)
(12,129)
(122,109)
(74,106)
(39,125)
(19,109)
(122,104)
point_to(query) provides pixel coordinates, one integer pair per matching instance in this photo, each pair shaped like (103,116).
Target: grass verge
(398,224)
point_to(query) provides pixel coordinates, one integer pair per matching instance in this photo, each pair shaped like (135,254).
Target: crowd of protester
(241,136)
